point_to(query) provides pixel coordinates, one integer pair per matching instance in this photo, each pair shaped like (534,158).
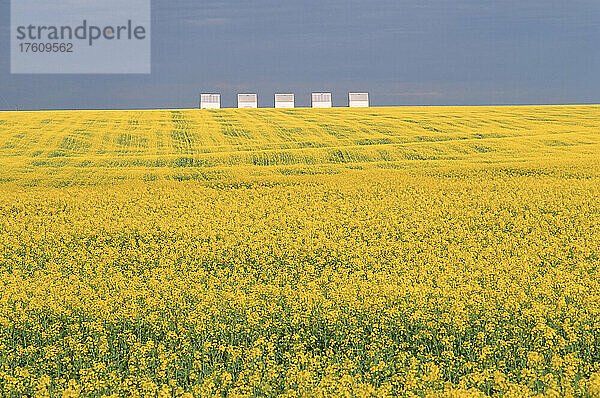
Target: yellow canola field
(429,252)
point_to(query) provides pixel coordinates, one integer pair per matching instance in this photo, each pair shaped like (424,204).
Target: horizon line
(301,107)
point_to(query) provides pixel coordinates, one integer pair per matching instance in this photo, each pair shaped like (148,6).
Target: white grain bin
(358,100)
(321,100)
(284,101)
(246,101)
(210,101)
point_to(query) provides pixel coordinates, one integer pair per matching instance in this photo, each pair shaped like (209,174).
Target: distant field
(96,147)
(428,252)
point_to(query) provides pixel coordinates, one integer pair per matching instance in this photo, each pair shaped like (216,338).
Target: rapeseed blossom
(416,252)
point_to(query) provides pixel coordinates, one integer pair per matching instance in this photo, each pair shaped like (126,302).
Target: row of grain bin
(250,101)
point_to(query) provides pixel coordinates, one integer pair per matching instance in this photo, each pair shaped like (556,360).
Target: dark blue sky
(404,52)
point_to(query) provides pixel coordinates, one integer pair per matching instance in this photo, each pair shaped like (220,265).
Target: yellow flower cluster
(444,252)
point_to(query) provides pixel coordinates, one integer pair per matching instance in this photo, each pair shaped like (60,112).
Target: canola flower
(416,252)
